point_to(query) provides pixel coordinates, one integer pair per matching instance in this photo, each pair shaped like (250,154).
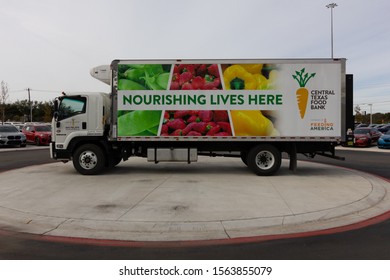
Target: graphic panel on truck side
(196,79)
(141,77)
(248,78)
(229,100)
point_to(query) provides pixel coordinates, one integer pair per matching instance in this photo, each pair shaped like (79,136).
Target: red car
(365,136)
(39,134)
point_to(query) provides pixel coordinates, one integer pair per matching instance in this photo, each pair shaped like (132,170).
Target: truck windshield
(71,106)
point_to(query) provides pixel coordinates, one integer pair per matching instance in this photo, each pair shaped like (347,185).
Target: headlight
(42,135)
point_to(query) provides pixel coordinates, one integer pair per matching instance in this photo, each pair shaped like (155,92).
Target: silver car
(11,136)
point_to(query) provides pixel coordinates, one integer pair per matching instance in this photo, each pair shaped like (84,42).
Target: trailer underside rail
(331,156)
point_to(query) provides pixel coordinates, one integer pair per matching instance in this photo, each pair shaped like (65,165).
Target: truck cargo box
(229,100)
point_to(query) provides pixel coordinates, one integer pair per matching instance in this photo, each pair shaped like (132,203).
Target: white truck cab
(78,116)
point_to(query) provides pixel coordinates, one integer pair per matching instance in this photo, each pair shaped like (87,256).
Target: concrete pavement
(213,199)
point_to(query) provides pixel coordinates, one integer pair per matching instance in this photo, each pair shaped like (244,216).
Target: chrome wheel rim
(88,160)
(265,160)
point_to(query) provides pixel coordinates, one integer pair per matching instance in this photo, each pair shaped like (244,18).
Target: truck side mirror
(55,117)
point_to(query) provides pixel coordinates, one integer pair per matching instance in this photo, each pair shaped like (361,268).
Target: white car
(11,136)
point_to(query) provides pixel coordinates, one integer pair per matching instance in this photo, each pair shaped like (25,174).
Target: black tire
(89,159)
(37,141)
(264,160)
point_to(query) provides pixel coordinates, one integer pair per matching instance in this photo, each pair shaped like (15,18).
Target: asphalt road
(11,158)
(372,242)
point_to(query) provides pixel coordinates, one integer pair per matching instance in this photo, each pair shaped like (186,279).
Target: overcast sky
(51,45)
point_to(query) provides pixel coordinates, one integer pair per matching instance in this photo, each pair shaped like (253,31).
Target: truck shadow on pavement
(219,168)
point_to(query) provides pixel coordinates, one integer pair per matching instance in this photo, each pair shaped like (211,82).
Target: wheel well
(100,142)
(282,147)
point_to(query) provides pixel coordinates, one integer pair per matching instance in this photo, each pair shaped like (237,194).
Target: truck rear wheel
(89,159)
(264,160)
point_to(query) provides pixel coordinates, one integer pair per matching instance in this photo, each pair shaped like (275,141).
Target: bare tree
(3,99)
(357,109)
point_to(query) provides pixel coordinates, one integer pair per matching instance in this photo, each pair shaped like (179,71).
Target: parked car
(384,140)
(384,128)
(40,134)
(19,126)
(365,136)
(11,136)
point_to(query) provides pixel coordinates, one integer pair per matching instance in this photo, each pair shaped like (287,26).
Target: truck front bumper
(59,154)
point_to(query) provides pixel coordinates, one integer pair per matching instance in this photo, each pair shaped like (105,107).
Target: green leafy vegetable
(149,76)
(139,123)
(162,80)
(135,75)
(129,85)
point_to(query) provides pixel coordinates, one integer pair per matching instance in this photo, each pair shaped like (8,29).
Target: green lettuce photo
(143,76)
(138,123)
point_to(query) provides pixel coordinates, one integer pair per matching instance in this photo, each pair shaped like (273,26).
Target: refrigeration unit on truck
(176,110)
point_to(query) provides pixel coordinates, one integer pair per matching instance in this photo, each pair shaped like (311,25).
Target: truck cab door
(70,117)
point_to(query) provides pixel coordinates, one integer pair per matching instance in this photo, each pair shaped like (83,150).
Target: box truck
(177,110)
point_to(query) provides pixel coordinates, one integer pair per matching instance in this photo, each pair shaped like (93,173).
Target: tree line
(19,111)
(23,110)
(376,118)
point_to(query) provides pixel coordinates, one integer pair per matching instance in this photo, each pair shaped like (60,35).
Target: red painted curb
(195,243)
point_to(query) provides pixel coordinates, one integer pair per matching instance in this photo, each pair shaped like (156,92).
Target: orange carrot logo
(302,93)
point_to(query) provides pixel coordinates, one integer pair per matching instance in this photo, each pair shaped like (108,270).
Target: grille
(11,137)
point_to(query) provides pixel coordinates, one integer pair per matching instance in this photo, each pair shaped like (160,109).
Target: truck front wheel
(264,159)
(89,159)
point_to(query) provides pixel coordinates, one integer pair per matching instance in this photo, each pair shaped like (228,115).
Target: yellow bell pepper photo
(251,123)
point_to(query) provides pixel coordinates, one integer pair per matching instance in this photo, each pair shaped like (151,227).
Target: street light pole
(29,102)
(370,112)
(331,6)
